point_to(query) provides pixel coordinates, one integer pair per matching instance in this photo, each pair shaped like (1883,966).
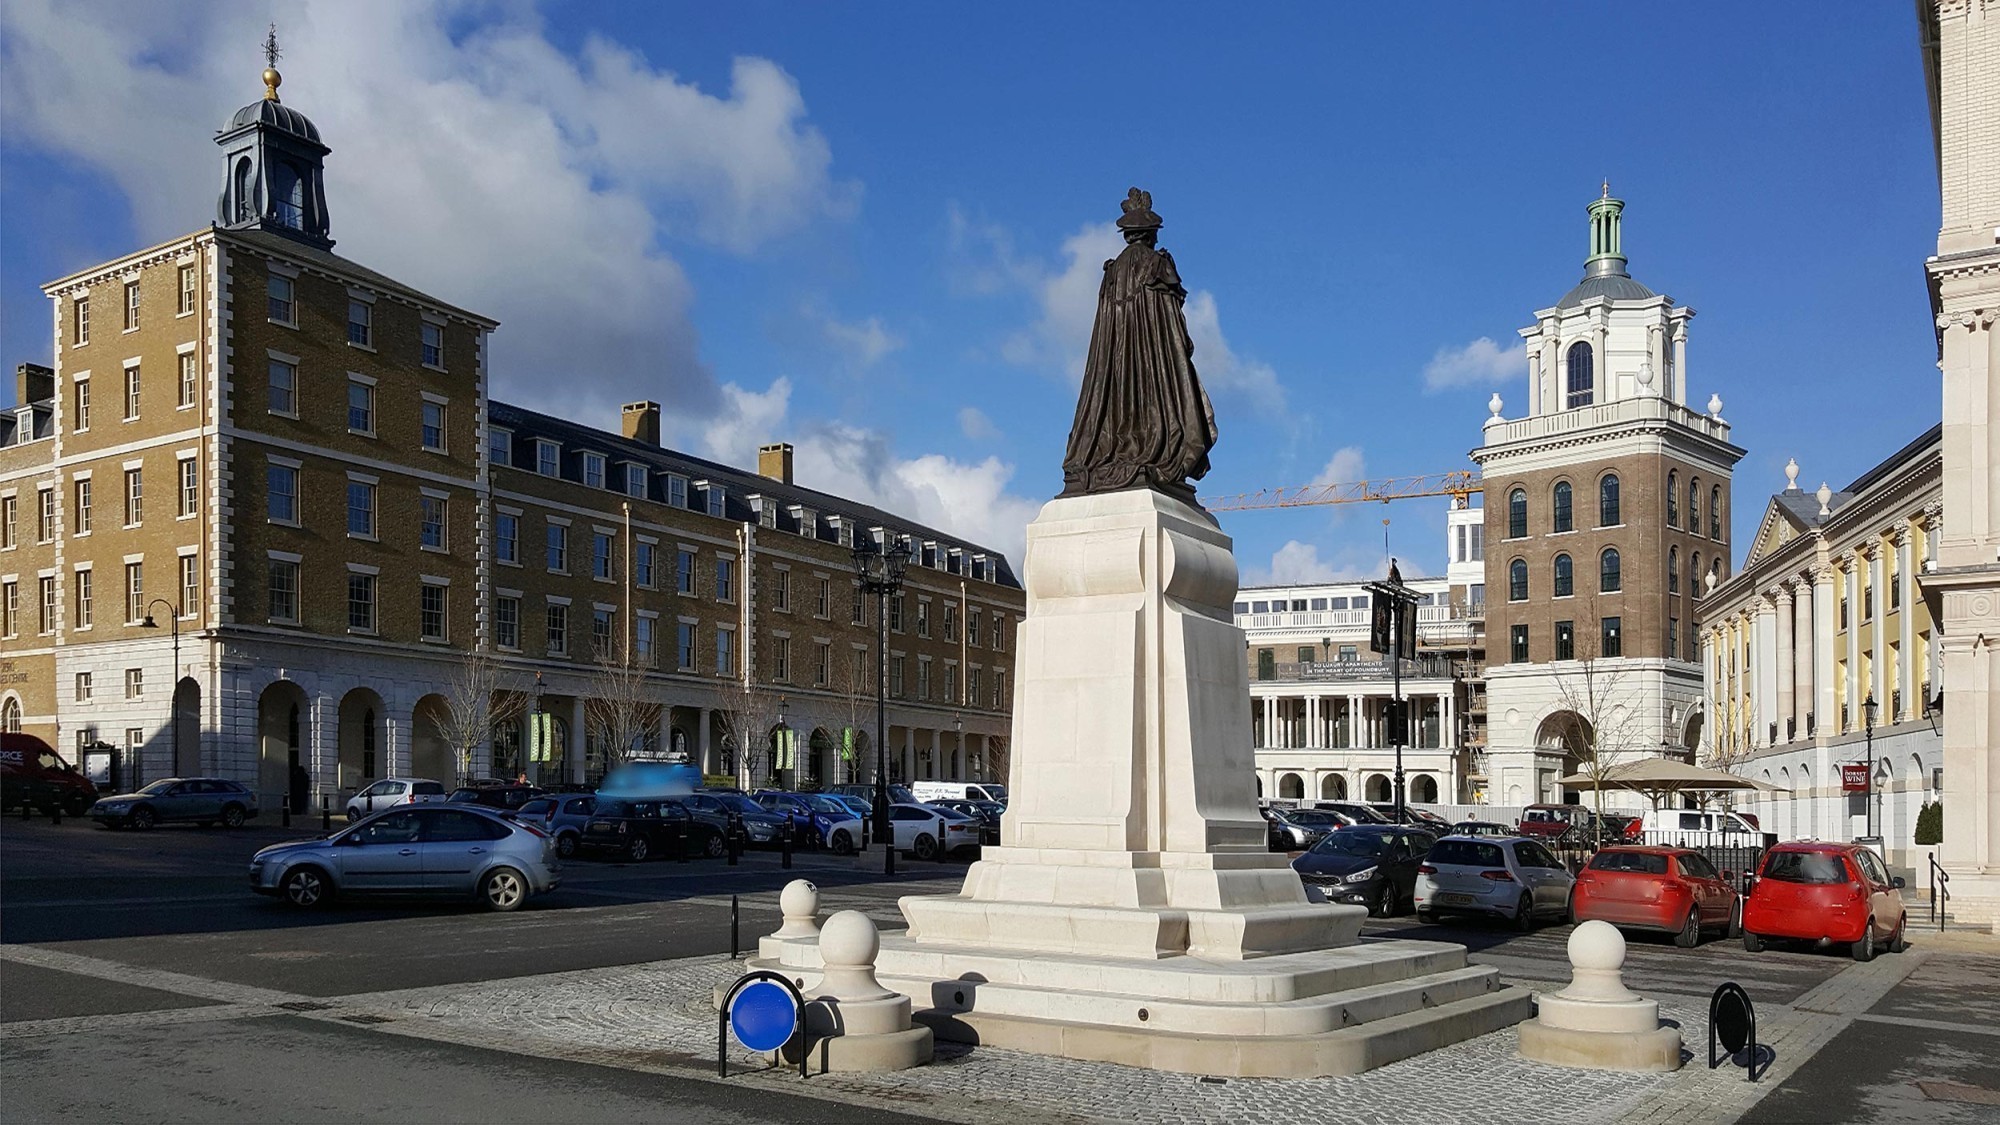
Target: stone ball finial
(1715,407)
(848,940)
(1596,945)
(1792,475)
(799,903)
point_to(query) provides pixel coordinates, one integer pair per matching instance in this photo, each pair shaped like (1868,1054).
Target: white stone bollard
(852,1022)
(1597,1022)
(799,903)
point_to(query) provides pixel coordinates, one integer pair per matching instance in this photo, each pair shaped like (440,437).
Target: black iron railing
(1940,891)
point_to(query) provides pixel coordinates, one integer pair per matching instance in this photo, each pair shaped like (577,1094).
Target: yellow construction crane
(1459,484)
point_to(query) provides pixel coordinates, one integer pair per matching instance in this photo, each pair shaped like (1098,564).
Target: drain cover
(366,1019)
(304,1006)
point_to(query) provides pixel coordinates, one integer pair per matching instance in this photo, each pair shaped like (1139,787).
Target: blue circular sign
(763,1016)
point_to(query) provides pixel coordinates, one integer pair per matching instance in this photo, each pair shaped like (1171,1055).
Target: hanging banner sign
(1854,777)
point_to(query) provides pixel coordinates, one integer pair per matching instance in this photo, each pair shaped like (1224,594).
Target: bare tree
(481,697)
(1598,718)
(749,712)
(998,757)
(621,712)
(857,689)
(1729,739)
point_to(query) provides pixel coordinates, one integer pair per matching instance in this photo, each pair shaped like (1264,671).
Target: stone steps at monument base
(1307,1015)
(1348,1050)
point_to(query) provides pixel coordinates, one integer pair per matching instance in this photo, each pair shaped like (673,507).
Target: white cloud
(472,158)
(1299,563)
(1066,303)
(860,344)
(1478,364)
(1345,467)
(965,498)
(975,425)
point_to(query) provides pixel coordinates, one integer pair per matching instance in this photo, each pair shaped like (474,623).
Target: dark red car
(1825,893)
(1672,890)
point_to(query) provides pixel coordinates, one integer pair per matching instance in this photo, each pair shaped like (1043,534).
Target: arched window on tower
(1674,500)
(1609,581)
(1694,574)
(1517,514)
(10,716)
(288,196)
(1517,580)
(1565,577)
(1673,570)
(245,191)
(1563,521)
(1582,378)
(1608,514)
(1715,513)
(1694,504)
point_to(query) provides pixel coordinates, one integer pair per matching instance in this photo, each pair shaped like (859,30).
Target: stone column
(1787,666)
(1680,362)
(1878,633)
(1852,565)
(1826,713)
(1803,644)
(1312,722)
(1764,649)
(1906,625)
(1270,722)
(704,747)
(574,752)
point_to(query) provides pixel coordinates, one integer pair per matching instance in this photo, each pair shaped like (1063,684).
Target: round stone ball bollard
(1598,1023)
(799,904)
(852,1022)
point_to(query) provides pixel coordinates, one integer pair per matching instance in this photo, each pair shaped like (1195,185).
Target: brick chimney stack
(775,461)
(642,421)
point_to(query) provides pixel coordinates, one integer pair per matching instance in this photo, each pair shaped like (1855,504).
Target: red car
(1673,890)
(1825,893)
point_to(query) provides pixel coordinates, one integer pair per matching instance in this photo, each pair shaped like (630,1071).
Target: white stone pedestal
(1597,1022)
(1132,913)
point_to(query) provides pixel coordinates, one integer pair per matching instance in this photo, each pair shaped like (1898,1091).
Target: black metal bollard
(681,844)
(787,845)
(325,816)
(866,823)
(735,832)
(735,932)
(944,849)
(285,814)
(55,814)
(27,810)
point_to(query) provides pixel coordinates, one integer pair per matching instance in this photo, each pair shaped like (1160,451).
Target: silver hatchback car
(453,851)
(1509,877)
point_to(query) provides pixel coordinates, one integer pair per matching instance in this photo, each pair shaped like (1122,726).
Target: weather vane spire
(271,56)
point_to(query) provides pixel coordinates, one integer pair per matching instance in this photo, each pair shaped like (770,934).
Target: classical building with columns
(1607,504)
(1319,698)
(1960,42)
(1824,618)
(261,519)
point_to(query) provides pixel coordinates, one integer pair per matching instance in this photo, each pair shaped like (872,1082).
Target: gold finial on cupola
(272,79)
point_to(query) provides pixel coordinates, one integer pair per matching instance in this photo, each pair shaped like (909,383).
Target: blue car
(834,823)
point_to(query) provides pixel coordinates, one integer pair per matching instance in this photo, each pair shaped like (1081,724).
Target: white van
(1696,828)
(959,791)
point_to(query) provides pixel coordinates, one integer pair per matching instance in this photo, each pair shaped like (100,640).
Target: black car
(504,799)
(1291,830)
(642,830)
(1354,811)
(1372,865)
(987,813)
(1414,817)
(729,810)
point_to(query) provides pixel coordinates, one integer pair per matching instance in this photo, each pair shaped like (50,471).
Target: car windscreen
(1467,853)
(1316,818)
(1805,867)
(1638,863)
(1352,843)
(608,807)
(467,795)
(829,806)
(997,792)
(159,787)
(427,788)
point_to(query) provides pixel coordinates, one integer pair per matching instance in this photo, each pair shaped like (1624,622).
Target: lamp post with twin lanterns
(173,681)
(880,568)
(1868,726)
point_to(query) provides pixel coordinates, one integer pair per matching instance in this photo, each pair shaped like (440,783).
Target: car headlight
(1361,876)
(115,806)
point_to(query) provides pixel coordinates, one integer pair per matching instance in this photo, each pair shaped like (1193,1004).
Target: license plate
(1456,900)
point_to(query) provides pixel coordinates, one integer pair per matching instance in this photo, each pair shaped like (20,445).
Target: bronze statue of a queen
(1143,420)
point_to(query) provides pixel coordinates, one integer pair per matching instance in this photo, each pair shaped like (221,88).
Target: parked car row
(1807,891)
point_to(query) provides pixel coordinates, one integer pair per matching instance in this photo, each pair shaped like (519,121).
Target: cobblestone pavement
(657,1017)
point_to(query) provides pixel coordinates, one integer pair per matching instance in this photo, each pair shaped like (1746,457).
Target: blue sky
(874,230)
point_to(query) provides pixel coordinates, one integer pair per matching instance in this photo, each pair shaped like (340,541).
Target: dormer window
(716,498)
(767,511)
(593,470)
(548,458)
(499,446)
(635,481)
(677,491)
(806,522)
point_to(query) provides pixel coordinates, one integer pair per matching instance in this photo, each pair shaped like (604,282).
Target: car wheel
(143,817)
(1524,914)
(353,814)
(926,846)
(714,846)
(1897,944)
(503,889)
(1864,950)
(232,816)
(306,888)
(1427,917)
(842,844)
(566,845)
(1690,934)
(1752,943)
(1383,903)
(1734,926)
(638,850)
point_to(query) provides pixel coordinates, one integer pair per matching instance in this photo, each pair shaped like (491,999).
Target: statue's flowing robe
(1143,420)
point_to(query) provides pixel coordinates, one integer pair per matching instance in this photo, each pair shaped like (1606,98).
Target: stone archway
(431,753)
(1423,789)
(283,765)
(187,727)
(817,768)
(1291,787)
(1333,787)
(364,742)
(1571,735)
(1379,788)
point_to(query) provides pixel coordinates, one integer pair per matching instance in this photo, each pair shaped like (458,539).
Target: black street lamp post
(1392,630)
(880,568)
(173,681)
(1868,725)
